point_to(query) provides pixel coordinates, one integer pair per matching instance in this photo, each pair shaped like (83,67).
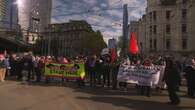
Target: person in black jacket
(98,69)
(115,69)
(13,65)
(190,77)
(106,71)
(28,65)
(172,78)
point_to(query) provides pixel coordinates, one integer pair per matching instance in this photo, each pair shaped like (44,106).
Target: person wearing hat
(2,68)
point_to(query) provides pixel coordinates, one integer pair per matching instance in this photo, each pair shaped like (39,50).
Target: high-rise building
(8,15)
(34,17)
(2,9)
(168,26)
(112,43)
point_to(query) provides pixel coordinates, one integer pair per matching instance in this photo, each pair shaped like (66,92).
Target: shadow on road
(134,104)
(116,97)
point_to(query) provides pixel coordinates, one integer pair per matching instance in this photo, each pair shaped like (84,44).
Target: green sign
(65,70)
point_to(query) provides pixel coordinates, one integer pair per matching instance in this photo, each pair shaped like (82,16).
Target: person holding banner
(115,69)
(123,84)
(172,78)
(145,89)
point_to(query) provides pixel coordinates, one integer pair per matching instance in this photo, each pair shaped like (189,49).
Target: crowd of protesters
(102,71)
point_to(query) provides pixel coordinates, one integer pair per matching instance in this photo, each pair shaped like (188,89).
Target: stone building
(168,26)
(64,39)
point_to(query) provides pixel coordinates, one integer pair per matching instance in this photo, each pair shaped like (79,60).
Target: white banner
(145,76)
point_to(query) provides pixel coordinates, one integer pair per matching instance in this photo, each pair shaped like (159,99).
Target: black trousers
(172,90)
(146,90)
(191,88)
(114,77)
(38,74)
(92,76)
(19,74)
(98,76)
(106,76)
(29,74)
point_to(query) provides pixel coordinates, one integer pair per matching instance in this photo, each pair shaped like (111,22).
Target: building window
(184,13)
(184,1)
(184,28)
(155,44)
(168,2)
(154,29)
(184,43)
(141,45)
(168,28)
(27,39)
(168,42)
(168,14)
(150,30)
(150,16)
(33,38)
(154,15)
(150,43)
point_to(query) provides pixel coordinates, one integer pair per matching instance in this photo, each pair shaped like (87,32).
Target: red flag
(113,55)
(133,48)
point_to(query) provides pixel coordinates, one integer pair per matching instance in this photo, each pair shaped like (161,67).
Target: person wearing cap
(2,68)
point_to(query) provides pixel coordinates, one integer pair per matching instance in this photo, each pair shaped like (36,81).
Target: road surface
(18,96)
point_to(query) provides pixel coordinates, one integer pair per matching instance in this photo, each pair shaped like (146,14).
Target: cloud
(109,22)
(103,5)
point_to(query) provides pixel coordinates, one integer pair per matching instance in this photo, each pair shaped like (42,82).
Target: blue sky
(96,12)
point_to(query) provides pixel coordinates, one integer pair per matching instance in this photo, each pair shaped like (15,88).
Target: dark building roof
(72,25)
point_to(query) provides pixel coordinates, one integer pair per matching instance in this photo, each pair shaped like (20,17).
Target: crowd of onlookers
(102,70)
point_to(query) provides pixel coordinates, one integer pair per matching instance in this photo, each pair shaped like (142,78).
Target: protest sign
(146,76)
(75,71)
